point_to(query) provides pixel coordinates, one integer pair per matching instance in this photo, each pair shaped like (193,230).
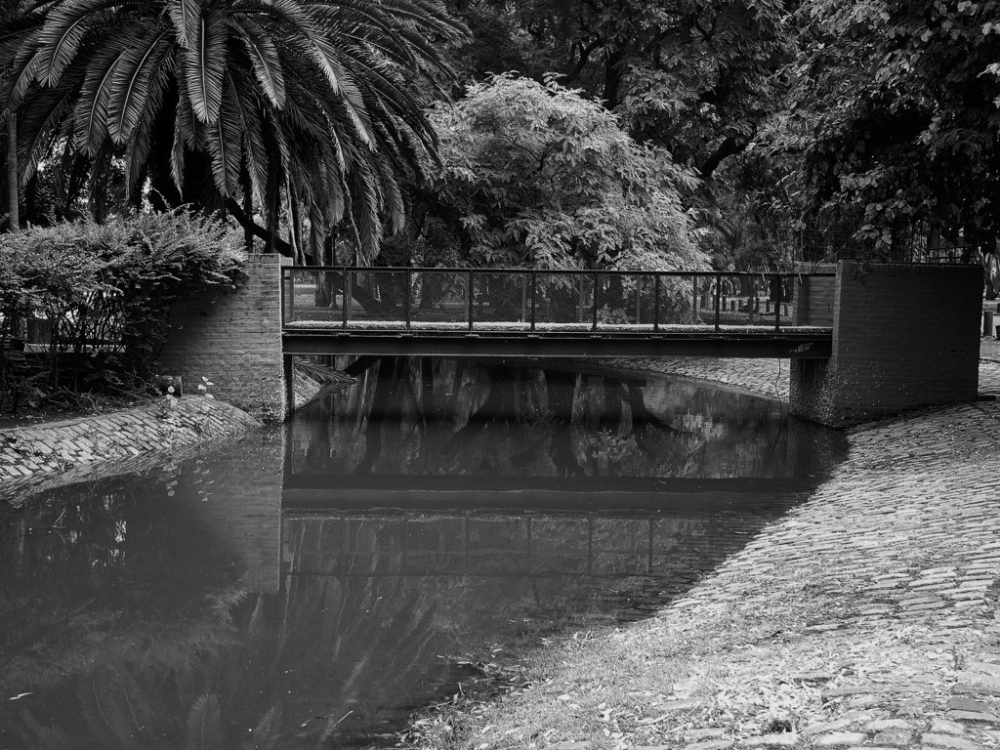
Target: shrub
(102,292)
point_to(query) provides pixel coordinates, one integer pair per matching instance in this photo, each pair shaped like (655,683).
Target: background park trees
(756,131)
(535,175)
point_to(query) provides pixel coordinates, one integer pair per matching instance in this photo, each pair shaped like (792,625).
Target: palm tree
(304,106)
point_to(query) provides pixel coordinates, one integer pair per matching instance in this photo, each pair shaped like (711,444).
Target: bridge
(864,341)
(574,313)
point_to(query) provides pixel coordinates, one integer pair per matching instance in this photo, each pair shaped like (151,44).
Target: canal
(310,586)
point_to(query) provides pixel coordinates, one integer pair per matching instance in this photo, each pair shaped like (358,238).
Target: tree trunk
(613,73)
(13,191)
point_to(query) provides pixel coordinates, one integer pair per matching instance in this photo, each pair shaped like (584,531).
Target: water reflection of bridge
(611,493)
(690,533)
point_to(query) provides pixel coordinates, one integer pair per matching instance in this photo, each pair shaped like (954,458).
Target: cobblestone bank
(55,451)
(872,606)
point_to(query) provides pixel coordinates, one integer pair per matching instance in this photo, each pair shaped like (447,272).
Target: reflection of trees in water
(362,640)
(433,416)
(110,622)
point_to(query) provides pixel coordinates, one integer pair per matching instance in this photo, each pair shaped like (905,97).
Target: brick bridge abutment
(904,336)
(233,338)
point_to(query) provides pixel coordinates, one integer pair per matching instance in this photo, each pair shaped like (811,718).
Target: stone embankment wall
(233,338)
(904,336)
(34,457)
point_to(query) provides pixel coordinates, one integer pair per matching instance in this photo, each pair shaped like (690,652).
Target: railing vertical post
(718,299)
(468,291)
(594,324)
(406,298)
(694,299)
(777,302)
(534,297)
(638,298)
(656,303)
(345,286)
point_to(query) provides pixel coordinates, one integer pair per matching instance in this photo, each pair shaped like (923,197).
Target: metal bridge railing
(459,299)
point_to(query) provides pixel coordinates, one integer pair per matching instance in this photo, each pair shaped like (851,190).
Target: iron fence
(405,299)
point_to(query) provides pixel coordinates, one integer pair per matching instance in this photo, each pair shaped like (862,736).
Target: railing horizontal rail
(543,300)
(529,271)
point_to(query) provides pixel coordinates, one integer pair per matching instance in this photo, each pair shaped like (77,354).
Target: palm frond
(186,15)
(140,143)
(205,63)
(93,111)
(367,202)
(65,27)
(132,78)
(343,84)
(224,144)
(19,75)
(264,57)
(251,126)
(185,136)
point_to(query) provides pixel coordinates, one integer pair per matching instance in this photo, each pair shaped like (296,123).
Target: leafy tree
(536,175)
(233,104)
(897,117)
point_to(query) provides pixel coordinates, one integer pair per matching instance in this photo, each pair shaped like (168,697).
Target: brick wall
(904,336)
(234,339)
(814,296)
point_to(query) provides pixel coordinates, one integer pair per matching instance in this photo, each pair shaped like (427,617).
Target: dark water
(308,587)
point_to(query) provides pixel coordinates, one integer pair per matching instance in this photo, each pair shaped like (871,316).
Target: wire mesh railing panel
(626,300)
(313,296)
(439,297)
(685,299)
(501,298)
(565,300)
(742,299)
(377,296)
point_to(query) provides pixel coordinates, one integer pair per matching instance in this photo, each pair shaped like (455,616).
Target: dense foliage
(97,296)
(896,116)
(535,175)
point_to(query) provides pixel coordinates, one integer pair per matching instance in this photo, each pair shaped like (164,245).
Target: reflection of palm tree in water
(237,679)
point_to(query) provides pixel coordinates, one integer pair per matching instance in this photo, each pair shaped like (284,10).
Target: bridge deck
(479,312)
